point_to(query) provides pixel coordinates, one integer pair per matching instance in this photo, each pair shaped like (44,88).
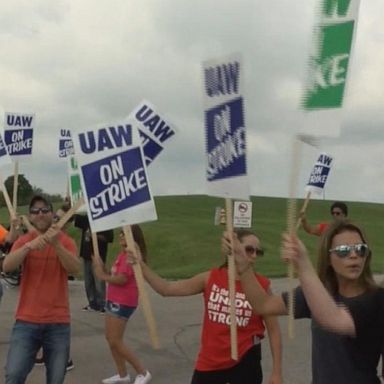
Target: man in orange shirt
(47,255)
(339,211)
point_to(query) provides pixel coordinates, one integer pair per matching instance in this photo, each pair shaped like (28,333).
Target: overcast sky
(81,63)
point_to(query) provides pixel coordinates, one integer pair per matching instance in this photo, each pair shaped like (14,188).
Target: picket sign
(18,137)
(226,168)
(115,187)
(317,180)
(144,299)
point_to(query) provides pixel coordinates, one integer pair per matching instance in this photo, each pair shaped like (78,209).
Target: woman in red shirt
(214,364)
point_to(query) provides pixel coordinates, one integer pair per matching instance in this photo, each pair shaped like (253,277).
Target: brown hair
(324,269)
(241,233)
(138,236)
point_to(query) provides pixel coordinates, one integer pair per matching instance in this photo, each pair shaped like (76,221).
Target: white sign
(242,214)
(155,129)
(113,176)
(225,133)
(18,134)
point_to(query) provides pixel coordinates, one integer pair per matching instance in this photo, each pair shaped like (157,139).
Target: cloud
(79,64)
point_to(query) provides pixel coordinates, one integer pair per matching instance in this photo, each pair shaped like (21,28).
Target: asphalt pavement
(178,322)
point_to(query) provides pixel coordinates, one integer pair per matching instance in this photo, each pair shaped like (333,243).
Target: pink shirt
(126,294)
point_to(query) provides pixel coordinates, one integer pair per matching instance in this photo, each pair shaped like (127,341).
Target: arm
(274,336)
(323,307)
(184,287)
(307,227)
(17,255)
(102,274)
(67,257)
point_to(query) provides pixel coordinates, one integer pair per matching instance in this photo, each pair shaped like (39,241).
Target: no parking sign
(242,214)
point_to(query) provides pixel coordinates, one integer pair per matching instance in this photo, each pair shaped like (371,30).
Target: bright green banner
(330,61)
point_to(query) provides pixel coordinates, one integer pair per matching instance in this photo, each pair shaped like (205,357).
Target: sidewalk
(178,322)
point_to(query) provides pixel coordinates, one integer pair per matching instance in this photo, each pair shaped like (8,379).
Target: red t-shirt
(44,283)
(215,351)
(322,227)
(126,294)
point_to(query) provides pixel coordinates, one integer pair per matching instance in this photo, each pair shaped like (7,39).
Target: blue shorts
(119,310)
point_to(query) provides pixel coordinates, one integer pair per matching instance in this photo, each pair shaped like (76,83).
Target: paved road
(178,322)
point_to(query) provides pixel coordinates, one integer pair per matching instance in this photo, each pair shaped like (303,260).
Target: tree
(24,190)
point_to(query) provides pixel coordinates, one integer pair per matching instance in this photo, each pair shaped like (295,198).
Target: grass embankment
(185,241)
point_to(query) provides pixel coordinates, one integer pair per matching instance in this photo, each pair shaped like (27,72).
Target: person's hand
(135,256)
(275,378)
(38,243)
(51,235)
(234,247)
(293,250)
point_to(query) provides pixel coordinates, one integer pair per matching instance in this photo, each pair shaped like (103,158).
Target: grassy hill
(185,241)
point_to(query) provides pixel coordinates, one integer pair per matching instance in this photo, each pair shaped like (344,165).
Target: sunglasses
(250,250)
(36,211)
(343,251)
(336,213)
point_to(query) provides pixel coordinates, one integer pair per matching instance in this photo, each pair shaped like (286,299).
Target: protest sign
(4,157)
(329,65)
(225,128)
(75,191)
(18,134)
(113,176)
(65,143)
(154,127)
(319,175)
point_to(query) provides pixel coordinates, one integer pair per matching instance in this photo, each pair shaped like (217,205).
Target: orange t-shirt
(215,350)
(44,283)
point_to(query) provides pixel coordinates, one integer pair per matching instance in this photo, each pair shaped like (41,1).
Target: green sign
(329,64)
(74,180)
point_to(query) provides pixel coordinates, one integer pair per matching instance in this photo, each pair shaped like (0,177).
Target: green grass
(185,241)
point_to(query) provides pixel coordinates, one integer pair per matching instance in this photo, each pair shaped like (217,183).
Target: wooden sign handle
(143,295)
(303,208)
(70,213)
(231,282)
(15,184)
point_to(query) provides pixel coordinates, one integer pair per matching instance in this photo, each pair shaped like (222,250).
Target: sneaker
(70,365)
(39,361)
(88,308)
(115,379)
(143,379)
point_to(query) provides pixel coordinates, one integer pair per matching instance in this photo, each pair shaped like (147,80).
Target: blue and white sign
(319,174)
(154,127)
(18,134)
(4,157)
(225,128)
(113,176)
(65,143)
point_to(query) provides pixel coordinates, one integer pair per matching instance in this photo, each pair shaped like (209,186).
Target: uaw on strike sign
(113,176)
(18,134)
(225,128)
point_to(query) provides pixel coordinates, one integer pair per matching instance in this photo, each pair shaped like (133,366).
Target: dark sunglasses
(337,213)
(343,251)
(36,211)
(249,249)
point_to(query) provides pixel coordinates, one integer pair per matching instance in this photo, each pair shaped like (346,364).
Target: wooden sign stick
(7,200)
(70,213)
(231,282)
(291,228)
(143,295)
(303,209)
(15,184)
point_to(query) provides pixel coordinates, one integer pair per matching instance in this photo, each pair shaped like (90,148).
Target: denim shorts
(119,310)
